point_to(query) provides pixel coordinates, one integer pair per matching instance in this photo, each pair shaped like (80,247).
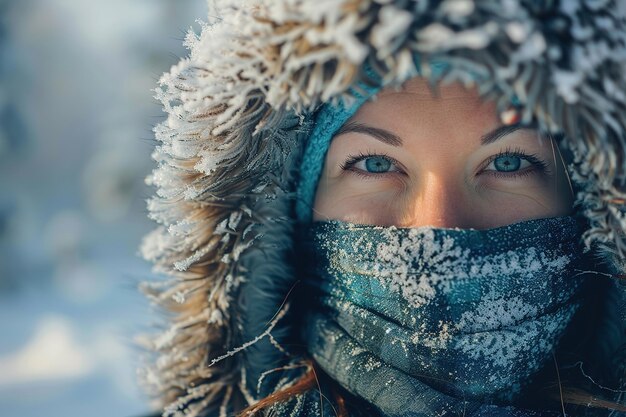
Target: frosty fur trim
(238,113)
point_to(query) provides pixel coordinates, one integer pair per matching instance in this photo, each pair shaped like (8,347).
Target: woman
(340,240)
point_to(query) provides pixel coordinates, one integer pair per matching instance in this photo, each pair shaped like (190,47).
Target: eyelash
(538,164)
(351,160)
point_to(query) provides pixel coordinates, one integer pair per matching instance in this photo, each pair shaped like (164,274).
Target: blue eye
(371,164)
(513,163)
(507,163)
(377,164)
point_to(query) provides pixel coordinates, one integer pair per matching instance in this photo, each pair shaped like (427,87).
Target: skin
(441,174)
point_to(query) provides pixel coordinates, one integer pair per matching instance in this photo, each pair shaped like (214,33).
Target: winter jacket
(239,109)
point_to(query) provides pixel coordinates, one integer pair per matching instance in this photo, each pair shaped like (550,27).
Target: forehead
(416,103)
(419,88)
(451,114)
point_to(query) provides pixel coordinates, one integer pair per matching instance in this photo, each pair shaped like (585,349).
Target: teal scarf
(425,321)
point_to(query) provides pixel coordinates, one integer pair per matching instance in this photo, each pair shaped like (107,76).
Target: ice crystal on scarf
(478,311)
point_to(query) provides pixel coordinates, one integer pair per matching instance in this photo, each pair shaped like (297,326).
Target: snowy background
(76,112)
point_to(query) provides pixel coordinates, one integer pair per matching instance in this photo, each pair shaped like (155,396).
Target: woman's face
(409,159)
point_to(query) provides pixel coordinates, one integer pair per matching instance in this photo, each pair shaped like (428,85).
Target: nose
(437,201)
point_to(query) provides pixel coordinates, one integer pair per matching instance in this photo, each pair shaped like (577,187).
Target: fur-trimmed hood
(242,104)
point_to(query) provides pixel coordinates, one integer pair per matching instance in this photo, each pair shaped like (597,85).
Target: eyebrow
(500,132)
(392,139)
(378,133)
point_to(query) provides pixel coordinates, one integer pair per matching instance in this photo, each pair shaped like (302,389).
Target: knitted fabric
(328,120)
(430,322)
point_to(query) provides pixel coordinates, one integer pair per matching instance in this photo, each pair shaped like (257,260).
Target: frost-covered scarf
(426,321)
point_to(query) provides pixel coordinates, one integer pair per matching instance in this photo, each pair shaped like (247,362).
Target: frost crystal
(481,310)
(397,255)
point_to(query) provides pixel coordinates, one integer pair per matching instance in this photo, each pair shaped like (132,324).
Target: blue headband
(328,120)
